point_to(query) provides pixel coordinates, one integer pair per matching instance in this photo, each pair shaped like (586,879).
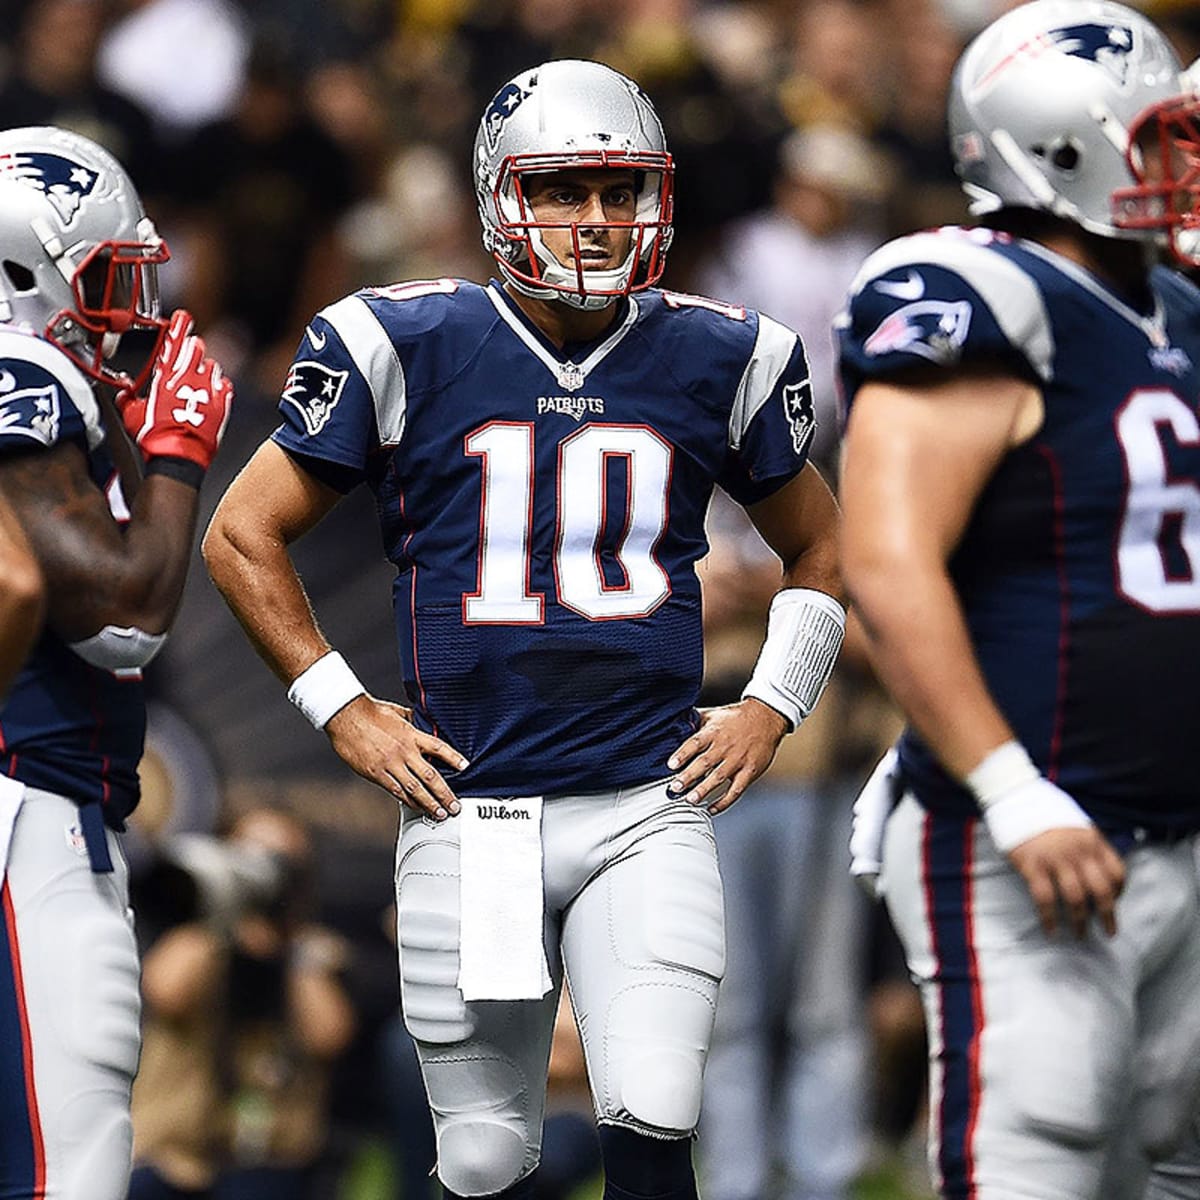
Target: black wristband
(182,469)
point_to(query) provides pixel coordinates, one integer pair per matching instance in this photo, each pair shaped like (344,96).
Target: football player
(542,451)
(1022,505)
(78,296)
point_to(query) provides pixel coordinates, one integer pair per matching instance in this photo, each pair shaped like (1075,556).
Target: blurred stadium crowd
(293,150)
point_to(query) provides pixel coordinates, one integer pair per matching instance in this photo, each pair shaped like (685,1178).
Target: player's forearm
(251,567)
(921,649)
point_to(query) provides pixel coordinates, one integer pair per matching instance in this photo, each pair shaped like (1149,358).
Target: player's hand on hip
(379,741)
(1071,872)
(187,407)
(732,748)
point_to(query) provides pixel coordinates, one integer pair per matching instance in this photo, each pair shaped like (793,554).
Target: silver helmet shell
(571,114)
(78,255)
(1042,102)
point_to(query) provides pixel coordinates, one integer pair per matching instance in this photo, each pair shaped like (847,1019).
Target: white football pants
(633,913)
(1059,1068)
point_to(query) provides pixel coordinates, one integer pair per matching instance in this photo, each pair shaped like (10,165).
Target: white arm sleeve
(804,634)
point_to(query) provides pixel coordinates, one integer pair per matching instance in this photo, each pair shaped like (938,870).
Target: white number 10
(502,594)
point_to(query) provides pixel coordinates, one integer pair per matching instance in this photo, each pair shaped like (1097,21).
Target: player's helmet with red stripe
(78,255)
(1042,106)
(571,115)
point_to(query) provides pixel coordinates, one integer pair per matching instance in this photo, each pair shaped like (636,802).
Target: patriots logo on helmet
(506,101)
(32,412)
(1107,44)
(63,181)
(934,329)
(313,390)
(801,416)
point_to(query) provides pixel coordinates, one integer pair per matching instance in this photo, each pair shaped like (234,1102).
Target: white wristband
(804,634)
(1018,802)
(325,688)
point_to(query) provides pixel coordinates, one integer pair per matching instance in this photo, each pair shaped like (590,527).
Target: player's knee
(479,1156)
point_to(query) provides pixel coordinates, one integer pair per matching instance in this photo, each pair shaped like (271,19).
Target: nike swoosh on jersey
(912,288)
(317,339)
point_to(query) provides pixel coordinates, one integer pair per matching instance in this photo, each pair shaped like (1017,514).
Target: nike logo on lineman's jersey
(317,339)
(912,288)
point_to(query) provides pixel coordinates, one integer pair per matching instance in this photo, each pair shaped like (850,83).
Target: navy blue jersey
(545,509)
(66,726)
(1079,571)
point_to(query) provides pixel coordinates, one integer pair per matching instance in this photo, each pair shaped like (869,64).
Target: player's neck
(1123,265)
(559,322)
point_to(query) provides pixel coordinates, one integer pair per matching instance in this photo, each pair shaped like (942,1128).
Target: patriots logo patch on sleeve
(63,181)
(801,416)
(934,329)
(313,390)
(32,412)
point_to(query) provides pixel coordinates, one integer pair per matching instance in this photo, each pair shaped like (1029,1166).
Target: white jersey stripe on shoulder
(375,357)
(1011,294)
(772,351)
(15,344)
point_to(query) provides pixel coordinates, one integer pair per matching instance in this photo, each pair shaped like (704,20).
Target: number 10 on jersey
(584,510)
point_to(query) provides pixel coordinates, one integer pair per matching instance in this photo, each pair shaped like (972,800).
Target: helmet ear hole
(20,276)
(1066,156)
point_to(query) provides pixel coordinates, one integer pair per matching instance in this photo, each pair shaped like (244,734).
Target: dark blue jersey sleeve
(939,300)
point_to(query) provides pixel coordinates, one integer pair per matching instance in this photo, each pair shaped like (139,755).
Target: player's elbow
(880,578)
(225,548)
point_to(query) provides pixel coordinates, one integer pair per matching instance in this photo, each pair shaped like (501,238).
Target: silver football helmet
(571,115)
(1042,104)
(78,255)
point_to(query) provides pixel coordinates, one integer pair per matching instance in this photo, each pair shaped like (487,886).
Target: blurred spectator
(925,47)
(837,65)
(795,260)
(182,60)
(258,198)
(244,1016)
(52,81)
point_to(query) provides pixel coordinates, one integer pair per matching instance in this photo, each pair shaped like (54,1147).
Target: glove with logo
(179,424)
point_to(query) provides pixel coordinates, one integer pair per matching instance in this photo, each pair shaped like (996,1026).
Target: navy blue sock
(523,1189)
(637,1167)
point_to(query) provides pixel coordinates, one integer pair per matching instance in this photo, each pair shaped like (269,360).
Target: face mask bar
(115,288)
(523,233)
(1164,158)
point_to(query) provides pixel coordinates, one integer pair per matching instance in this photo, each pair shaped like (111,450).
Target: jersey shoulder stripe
(359,329)
(773,350)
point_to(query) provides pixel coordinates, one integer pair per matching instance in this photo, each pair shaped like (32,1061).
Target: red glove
(186,412)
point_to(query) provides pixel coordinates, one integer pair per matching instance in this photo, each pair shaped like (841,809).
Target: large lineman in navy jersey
(1021,487)
(545,520)
(1078,576)
(1079,573)
(542,452)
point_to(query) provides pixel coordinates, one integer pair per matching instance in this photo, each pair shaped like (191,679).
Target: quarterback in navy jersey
(1022,493)
(78,261)
(543,450)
